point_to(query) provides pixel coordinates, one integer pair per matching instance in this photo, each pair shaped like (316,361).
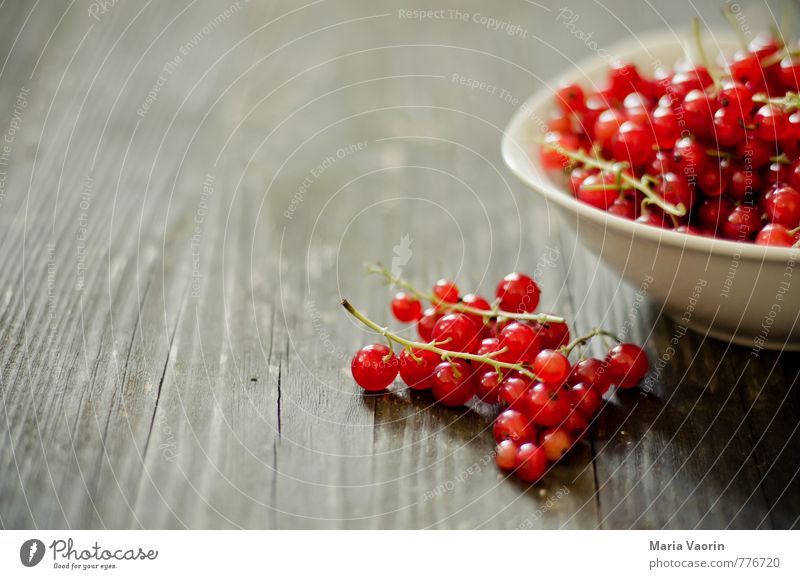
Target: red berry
(599,190)
(571,98)
(754,153)
(742,223)
(506,455)
(634,143)
(551,335)
(675,189)
(743,182)
(446,291)
(478,303)
(518,293)
(775,235)
(520,342)
(593,372)
(576,424)
(426,323)
(715,179)
(782,206)
(489,387)
(627,364)
(772,123)
(607,126)
(712,213)
(552,159)
(374,367)
(555,442)
(512,392)
(728,127)
(698,112)
(417,373)
(551,367)
(745,67)
(689,157)
(585,399)
(736,96)
(456,332)
(665,127)
(790,73)
(531,462)
(624,207)
(406,308)
(512,424)
(453,383)
(545,405)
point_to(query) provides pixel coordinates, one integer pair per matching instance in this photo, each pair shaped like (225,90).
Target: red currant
(585,399)
(627,364)
(426,323)
(489,387)
(506,455)
(512,392)
(593,372)
(775,235)
(406,308)
(416,370)
(551,335)
(545,405)
(518,293)
(446,291)
(551,367)
(453,383)
(514,425)
(374,367)
(634,143)
(555,442)
(571,98)
(742,223)
(531,462)
(456,332)
(520,342)
(782,206)
(772,123)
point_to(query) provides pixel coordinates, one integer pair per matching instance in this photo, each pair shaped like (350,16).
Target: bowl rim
(514,148)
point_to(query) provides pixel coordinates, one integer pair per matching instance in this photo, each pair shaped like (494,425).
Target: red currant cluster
(704,150)
(502,354)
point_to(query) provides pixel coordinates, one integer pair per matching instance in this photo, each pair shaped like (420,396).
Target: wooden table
(189,189)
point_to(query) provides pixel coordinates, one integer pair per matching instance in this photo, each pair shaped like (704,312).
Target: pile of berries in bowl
(700,149)
(683,172)
(502,354)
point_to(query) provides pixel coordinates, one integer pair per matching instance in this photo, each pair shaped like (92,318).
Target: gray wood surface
(172,351)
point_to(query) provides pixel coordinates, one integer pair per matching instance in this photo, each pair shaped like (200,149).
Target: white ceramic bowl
(739,292)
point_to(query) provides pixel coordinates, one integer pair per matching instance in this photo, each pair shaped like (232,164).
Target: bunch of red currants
(500,354)
(701,149)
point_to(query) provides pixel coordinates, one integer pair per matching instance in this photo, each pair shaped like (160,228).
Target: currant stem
(583,340)
(790,101)
(445,354)
(460,307)
(642,185)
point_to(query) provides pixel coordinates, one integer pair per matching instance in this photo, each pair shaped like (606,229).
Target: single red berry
(560,122)
(489,387)
(624,207)
(689,157)
(520,342)
(715,179)
(772,123)
(754,153)
(743,182)
(506,455)
(713,212)
(665,126)
(745,68)
(688,79)
(728,127)
(545,405)
(743,223)
(487,346)
(512,392)
(406,308)
(593,372)
(698,109)
(456,332)
(634,143)
(417,370)
(585,399)
(551,158)
(478,303)
(555,442)
(775,235)
(600,190)
(627,364)
(531,462)
(453,383)
(426,323)
(514,425)
(551,335)
(736,96)
(782,206)
(571,98)
(374,367)
(517,293)
(576,424)
(446,291)
(607,126)
(551,367)
(675,189)
(790,73)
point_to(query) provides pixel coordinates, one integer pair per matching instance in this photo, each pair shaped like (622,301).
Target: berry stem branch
(583,340)
(790,101)
(445,354)
(618,169)
(460,307)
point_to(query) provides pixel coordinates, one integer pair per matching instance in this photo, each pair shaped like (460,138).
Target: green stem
(445,354)
(790,101)
(582,340)
(617,168)
(460,307)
